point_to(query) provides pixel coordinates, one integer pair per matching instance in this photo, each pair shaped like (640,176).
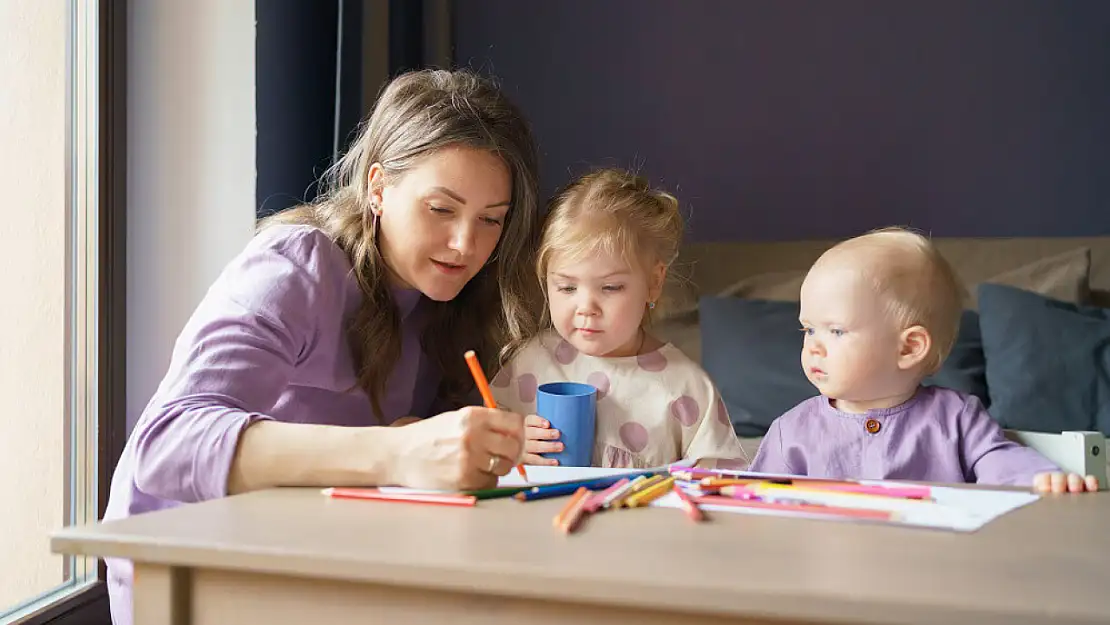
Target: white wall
(32,320)
(191,167)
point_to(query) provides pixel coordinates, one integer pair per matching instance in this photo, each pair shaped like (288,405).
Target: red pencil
(374,494)
(487,394)
(689,505)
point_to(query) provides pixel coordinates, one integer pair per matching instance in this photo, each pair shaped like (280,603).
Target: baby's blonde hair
(918,285)
(611,211)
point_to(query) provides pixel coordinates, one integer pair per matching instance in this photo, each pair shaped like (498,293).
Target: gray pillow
(752,351)
(1048,361)
(965,369)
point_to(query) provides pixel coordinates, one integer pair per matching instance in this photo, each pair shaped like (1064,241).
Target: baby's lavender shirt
(939,435)
(268,341)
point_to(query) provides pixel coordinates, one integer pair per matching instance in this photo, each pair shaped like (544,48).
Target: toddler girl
(607,242)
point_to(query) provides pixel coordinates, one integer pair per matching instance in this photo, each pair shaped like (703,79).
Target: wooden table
(294,556)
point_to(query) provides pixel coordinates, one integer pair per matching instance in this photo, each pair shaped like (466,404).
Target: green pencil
(496,493)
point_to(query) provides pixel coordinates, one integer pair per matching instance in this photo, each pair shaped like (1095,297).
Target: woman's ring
(492,464)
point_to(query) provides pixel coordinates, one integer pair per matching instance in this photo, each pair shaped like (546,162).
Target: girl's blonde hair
(417,114)
(610,211)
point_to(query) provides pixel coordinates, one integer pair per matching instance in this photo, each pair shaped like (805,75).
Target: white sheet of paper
(547,475)
(959,509)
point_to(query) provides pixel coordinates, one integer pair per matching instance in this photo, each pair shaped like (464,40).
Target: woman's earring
(651,305)
(374,218)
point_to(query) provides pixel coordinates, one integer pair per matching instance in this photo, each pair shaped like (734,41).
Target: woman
(353,313)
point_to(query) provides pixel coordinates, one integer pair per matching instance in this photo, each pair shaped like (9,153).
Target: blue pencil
(543,491)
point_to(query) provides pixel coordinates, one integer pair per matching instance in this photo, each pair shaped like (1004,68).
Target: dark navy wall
(793,119)
(295,94)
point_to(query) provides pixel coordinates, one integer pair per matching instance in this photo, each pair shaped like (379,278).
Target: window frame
(105,325)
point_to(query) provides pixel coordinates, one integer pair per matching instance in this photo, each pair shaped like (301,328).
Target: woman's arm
(206,432)
(232,361)
(272,453)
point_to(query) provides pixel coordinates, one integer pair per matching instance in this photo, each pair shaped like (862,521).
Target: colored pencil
(637,487)
(695,513)
(858,513)
(615,499)
(901,492)
(487,395)
(446,499)
(854,490)
(599,498)
(558,489)
(496,493)
(650,493)
(720,482)
(908,491)
(646,483)
(914,494)
(571,514)
(694,473)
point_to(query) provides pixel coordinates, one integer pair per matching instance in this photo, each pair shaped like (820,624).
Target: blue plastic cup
(571,408)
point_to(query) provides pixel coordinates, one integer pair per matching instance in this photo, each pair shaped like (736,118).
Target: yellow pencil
(649,494)
(614,500)
(638,487)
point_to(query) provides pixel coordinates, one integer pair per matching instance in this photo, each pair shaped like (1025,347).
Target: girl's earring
(651,305)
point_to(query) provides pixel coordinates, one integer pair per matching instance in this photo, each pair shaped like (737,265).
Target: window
(62,337)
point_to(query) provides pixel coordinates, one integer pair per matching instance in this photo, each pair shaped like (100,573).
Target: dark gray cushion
(965,369)
(1048,362)
(752,350)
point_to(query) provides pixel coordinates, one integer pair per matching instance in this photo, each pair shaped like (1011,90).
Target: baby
(607,243)
(880,312)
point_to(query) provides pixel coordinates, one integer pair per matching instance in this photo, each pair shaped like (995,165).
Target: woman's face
(440,221)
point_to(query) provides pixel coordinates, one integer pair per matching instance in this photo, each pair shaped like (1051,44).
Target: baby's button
(873,426)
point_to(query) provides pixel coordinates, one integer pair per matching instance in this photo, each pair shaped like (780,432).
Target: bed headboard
(1074,269)
(715,266)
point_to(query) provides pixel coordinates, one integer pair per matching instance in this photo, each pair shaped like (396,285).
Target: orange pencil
(487,394)
(689,505)
(568,517)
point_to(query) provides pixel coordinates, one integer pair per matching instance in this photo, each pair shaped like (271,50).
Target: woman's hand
(540,438)
(464,449)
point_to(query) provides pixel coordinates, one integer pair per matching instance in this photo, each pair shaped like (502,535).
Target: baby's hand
(539,438)
(1059,482)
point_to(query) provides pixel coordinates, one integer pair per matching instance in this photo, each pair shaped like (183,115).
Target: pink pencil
(690,506)
(858,513)
(598,499)
(902,492)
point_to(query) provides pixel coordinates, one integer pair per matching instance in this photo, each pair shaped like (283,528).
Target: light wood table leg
(162,595)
